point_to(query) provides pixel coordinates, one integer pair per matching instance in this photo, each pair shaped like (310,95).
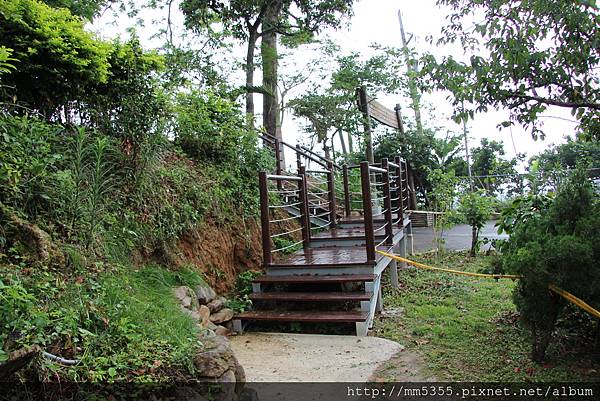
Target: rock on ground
(205,294)
(223,315)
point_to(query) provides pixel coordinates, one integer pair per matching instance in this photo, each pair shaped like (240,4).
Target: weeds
(467,329)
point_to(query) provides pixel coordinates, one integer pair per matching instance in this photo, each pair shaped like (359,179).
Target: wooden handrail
(283,177)
(326,160)
(306,155)
(331,193)
(264,218)
(347,207)
(367,210)
(304,218)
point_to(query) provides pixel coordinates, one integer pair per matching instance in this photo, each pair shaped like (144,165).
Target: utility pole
(467,146)
(411,69)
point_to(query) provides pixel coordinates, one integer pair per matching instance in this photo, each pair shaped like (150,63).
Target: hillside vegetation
(113,177)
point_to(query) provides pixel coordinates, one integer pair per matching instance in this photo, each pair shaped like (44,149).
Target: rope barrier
(566,295)
(424,266)
(574,300)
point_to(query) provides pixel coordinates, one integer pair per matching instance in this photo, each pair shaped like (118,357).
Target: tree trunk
(541,333)
(343,142)
(412,204)
(269,56)
(474,235)
(350,143)
(250,77)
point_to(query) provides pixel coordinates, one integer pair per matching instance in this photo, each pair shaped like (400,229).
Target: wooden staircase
(333,274)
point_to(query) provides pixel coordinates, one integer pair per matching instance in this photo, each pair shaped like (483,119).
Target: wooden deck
(337,265)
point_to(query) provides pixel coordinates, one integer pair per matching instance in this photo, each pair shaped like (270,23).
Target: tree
(52,46)
(491,169)
(553,241)
(526,57)
(87,9)
(331,110)
(442,197)
(250,20)
(476,208)
(424,153)
(551,164)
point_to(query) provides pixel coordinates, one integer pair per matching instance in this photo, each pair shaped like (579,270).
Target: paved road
(457,238)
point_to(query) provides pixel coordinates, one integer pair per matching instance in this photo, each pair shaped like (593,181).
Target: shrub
(476,208)
(553,241)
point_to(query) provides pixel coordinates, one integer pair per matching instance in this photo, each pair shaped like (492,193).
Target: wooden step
(340,278)
(304,316)
(311,296)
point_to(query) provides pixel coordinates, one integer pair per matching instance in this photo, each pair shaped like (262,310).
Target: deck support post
(361,329)
(367,211)
(347,206)
(304,217)
(264,218)
(402,250)
(237,326)
(331,194)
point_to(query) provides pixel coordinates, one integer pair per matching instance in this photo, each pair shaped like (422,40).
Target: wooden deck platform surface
(350,233)
(329,256)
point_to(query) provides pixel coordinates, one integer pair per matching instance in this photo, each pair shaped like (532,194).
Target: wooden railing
(286,197)
(327,193)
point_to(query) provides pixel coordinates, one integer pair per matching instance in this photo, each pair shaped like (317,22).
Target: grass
(467,329)
(122,322)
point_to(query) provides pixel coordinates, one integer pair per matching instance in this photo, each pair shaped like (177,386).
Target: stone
(186,298)
(215,358)
(228,383)
(221,331)
(18,360)
(205,294)
(216,305)
(204,313)
(240,379)
(223,315)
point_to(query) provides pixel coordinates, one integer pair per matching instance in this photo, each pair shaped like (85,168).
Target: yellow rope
(574,300)
(566,295)
(424,266)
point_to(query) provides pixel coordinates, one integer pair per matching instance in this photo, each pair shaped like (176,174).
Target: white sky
(376,21)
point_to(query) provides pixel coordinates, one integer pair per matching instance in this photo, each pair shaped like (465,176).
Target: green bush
(211,130)
(57,59)
(476,209)
(28,160)
(553,241)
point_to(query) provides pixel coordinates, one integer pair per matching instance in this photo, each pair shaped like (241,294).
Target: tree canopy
(527,56)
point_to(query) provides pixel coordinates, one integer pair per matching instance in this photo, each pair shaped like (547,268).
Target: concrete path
(283,357)
(456,239)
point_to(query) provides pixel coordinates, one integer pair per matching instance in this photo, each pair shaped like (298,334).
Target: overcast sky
(376,21)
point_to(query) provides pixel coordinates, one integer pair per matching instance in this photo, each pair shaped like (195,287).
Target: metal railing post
(367,210)
(331,194)
(387,203)
(347,205)
(304,217)
(264,218)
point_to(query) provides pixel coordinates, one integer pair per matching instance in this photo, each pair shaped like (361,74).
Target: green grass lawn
(468,329)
